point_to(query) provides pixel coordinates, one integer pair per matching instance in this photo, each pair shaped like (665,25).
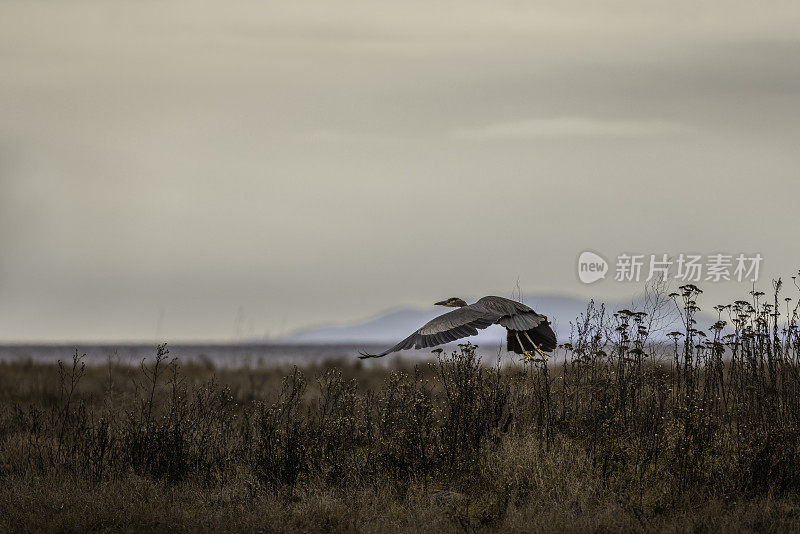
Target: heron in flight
(528,332)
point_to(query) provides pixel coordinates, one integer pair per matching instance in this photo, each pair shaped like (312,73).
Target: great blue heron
(527,330)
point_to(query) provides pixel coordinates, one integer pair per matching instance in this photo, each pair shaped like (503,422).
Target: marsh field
(698,432)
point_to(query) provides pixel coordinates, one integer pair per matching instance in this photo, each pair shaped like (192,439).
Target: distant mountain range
(395,325)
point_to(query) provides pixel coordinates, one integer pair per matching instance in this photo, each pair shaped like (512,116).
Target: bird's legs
(542,353)
(529,354)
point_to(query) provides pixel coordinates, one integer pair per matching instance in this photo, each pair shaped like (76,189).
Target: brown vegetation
(624,434)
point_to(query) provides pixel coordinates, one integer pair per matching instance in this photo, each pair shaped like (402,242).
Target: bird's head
(452,302)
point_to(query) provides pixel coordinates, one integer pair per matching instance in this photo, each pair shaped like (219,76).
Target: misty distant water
(314,345)
(220,355)
(224,355)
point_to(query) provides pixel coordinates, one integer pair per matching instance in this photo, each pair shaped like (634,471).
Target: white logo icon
(591,267)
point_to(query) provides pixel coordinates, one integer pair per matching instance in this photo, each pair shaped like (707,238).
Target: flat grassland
(701,435)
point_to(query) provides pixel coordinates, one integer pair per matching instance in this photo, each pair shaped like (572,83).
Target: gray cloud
(316,163)
(566,127)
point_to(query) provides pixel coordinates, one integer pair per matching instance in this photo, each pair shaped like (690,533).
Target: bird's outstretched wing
(527,330)
(461,322)
(513,315)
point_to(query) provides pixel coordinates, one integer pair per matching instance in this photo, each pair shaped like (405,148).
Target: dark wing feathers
(514,315)
(521,321)
(502,306)
(542,336)
(466,321)
(461,322)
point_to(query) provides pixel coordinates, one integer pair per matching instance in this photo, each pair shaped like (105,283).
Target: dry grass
(624,435)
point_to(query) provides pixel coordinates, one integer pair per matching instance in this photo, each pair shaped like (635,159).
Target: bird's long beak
(440,303)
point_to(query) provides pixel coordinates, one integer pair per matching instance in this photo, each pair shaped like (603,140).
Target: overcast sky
(214,170)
